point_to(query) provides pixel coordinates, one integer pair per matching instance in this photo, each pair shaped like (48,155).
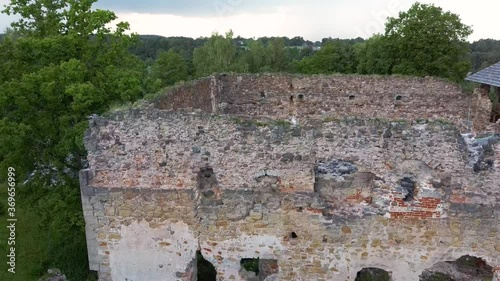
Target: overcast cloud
(312,19)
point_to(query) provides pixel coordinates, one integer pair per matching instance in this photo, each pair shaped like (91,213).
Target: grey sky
(202,8)
(312,19)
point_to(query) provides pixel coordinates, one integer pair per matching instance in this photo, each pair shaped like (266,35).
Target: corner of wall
(87,192)
(214,93)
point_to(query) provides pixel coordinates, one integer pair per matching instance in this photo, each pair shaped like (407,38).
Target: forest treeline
(402,50)
(62,62)
(482,53)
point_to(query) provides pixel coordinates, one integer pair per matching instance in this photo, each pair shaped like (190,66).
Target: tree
(169,68)
(277,54)
(373,56)
(217,55)
(484,53)
(63,65)
(256,57)
(425,40)
(334,57)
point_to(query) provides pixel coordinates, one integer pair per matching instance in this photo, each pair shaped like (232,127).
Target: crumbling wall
(325,198)
(281,96)
(199,94)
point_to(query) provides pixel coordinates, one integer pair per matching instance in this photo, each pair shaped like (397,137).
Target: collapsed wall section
(320,200)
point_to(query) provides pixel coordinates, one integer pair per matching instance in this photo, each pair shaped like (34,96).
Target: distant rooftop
(488,76)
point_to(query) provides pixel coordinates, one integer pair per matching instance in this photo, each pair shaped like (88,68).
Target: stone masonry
(325,175)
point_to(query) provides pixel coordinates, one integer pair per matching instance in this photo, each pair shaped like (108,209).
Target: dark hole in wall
(352,97)
(206,270)
(409,186)
(262,95)
(207,182)
(293,235)
(473,268)
(301,97)
(399,98)
(291,98)
(372,274)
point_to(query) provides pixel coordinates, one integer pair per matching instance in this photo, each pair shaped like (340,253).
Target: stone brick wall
(199,95)
(316,97)
(325,197)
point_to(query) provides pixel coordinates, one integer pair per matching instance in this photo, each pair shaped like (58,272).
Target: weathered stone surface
(324,195)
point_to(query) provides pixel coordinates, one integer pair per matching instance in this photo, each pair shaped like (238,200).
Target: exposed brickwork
(324,196)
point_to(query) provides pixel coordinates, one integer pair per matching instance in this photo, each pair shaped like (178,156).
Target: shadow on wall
(206,270)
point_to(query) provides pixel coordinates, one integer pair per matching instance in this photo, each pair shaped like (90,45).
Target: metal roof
(488,76)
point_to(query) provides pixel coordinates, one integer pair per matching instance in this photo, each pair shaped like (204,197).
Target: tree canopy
(425,40)
(217,55)
(59,64)
(334,57)
(169,68)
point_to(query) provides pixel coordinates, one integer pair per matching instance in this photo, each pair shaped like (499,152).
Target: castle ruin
(317,177)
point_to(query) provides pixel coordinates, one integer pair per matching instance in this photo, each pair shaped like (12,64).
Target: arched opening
(467,267)
(206,270)
(301,97)
(373,274)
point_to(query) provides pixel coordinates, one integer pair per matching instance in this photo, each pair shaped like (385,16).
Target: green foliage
(256,57)
(373,55)
(277,56)
(61,64)
(467,86)
(372,274)
(484,53)
(217,55)
(425,40)
(283,124)
(169,68)
(251,265)
(334,57)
